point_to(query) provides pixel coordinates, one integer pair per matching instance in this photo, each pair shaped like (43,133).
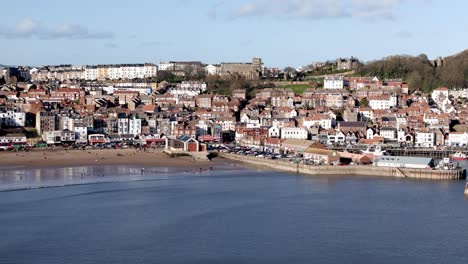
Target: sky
(281,32)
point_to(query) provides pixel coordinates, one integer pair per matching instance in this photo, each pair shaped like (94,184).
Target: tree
(165,76)
(288,72)
(364,102)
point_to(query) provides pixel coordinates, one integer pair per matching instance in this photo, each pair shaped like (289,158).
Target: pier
(358,170)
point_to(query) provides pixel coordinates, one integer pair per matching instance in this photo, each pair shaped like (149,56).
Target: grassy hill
(420,72)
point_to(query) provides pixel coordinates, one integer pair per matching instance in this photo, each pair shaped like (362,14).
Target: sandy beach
(69,158)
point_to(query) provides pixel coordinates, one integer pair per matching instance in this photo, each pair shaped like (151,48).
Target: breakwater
(453,174)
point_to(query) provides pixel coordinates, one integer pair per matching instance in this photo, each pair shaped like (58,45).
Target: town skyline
(215,31)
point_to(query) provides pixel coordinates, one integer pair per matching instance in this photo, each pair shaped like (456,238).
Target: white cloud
(28,28)
(318,9)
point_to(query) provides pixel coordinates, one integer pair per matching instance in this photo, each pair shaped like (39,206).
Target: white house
(12,139)
(457,139)
(90,73)
(334,100)
(440,94)
(213,69)
(134,126)
(430,119)
(150,70)
(425,139)
(323,121)
(401,136)
(250,122)
(337,137)
(401,120)
(389,133)
(370,133)
(382,102)
(294,133)
(166,66)
(81,133)
(333,82)
(129,125)
(12,118)
(274,132)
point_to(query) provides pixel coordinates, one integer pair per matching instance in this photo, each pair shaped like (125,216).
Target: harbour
(354,170)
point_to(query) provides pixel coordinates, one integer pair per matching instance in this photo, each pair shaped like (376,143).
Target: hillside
(420,72)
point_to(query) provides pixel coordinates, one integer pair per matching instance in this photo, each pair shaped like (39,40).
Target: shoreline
(77,158)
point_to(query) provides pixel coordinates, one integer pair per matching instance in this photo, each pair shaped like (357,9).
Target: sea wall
(455,174)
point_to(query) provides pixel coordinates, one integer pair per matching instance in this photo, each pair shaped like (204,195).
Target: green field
(298,88)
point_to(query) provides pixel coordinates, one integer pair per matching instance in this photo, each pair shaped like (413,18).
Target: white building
(189,89)
(274,132)
(383,102)
(12,118)
(132,71)
(166,66)
(90,73)
(122,126)
(459,93)
(440,94)
(333,82)
(334,100)
(294,133)
(81,133)
(388,133)
(150,70)
(370,133)
(250,122)
(425,139)
(336,138)
(213,69)
(12,139)
(403,162)
(323,121)
(457,139)
(134,126)
(401,136)
(202,86)
(401,120)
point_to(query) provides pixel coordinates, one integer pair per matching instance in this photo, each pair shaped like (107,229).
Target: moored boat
(459,156)
(374,152)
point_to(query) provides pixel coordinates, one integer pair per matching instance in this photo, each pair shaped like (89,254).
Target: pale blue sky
(282,32)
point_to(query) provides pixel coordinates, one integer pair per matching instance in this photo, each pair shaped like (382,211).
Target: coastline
(74,158)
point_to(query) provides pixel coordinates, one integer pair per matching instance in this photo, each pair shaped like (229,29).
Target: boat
(459,156)
(374,152)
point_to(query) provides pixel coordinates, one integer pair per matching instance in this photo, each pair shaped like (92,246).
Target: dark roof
(352,124)
(184,138)
(389,118)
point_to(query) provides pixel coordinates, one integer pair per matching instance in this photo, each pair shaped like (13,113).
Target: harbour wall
(359,170)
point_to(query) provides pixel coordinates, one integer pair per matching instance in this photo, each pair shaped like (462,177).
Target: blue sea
(117,215)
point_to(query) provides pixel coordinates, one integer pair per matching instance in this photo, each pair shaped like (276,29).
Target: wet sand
(70,158)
